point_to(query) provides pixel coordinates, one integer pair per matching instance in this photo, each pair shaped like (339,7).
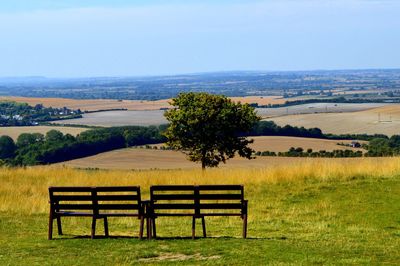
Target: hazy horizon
(87,38)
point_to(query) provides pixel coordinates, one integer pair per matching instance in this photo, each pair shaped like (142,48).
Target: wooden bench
(197,202)
(94,202)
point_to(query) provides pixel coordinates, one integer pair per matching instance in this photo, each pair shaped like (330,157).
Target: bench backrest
(97,200)
(198,200)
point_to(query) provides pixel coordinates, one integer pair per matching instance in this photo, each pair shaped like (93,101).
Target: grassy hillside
(316,212)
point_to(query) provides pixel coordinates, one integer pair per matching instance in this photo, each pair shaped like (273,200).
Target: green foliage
(25,139)
(209,128)
(56,147)
(7,147)
(384,146)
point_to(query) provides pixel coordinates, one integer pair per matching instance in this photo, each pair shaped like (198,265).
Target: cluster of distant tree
(270,128)
(22,114)
(36,148)
(299,152)
(384,146)
(327,100)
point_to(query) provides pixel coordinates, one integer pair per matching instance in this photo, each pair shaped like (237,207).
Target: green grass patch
(308,222)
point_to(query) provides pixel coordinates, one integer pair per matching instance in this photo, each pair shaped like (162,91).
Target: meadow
(313,212)
(382,120)
(14,132)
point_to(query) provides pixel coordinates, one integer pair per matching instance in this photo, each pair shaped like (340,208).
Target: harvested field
(139,105)
(118,118)
(14,132)
(383,120)
(317,108)
(278,143)
(135,158)
(92,105)
(156,117)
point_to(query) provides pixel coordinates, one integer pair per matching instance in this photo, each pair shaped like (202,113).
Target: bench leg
(148,228)
(106,227)
(59,228)
(245,226)
(193,228)
(141,227)
(93,228)
(203,223)
(50,235)
(153,223)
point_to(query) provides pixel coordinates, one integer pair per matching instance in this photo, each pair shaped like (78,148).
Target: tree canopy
(209,128)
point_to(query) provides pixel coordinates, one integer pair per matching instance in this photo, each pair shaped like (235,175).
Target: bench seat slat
(209,206)
(220,196)
(74,206)
(70,213)
(173,206)
(173,196)
(220,187)
(72,197)
(118,206)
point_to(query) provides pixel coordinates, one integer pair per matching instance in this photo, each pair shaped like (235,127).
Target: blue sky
(78,38)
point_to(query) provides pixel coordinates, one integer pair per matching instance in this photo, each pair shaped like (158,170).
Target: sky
(88,38)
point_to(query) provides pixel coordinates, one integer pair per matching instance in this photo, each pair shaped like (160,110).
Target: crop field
(156,117)
(317,108)
(383,120)
(92,105)
(118,118)
(280,143)
(14,132)
(138,105)
(136,158)
(316,212)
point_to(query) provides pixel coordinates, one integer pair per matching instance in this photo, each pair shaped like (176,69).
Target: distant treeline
(299,152)
(328,100)
(36,148)
(270,128)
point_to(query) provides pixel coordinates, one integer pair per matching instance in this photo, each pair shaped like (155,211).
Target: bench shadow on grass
(70,237)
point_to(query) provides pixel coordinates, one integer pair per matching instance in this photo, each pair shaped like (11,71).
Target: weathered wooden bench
(95,202)
(197,202)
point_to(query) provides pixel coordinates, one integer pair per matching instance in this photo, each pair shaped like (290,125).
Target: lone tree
(209,128)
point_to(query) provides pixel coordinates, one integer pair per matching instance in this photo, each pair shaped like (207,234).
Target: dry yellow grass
(14,132)
(24,190)
(382,120)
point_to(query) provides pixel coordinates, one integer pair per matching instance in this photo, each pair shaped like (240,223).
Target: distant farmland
(14,132)
(139,158)
(383,120)
(156,117)
(138,105)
